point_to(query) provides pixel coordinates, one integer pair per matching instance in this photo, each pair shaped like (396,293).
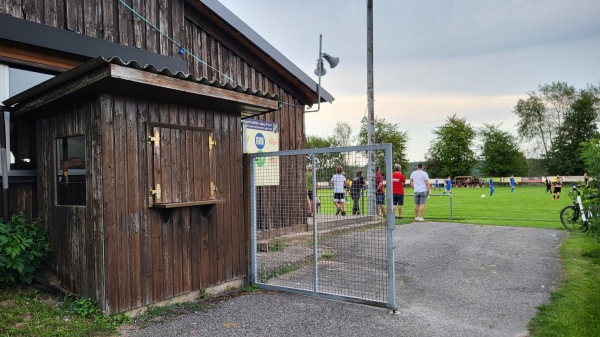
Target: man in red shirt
(398,181)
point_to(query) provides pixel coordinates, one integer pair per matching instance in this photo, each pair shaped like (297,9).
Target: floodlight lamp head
(320,71)
(333,61)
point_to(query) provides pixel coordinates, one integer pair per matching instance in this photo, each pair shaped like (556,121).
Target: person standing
(379,193)
(419,181)
(548,185)
(512,184)
(586,180)
(309,188)
(398,181)
(358,184)
(436,185)
(447,186)
(339,182)
(492,189)
(557,184)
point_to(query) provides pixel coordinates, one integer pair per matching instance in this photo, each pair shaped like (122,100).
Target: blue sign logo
(259,140)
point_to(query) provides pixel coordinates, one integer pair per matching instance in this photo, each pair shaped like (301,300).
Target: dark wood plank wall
(218,244)
(74,230)
(22,197)
(148,259)
(110,20)
(289,118)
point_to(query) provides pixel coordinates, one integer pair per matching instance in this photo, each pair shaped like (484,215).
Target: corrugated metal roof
(101,61)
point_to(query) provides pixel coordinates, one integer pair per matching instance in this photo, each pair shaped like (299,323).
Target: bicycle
(574,217)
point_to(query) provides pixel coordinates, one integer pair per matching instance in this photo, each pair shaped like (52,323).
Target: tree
(342,133)
(386,132)
(542,114)
(591,157)
(451,152)
(325,162)
(580,125)
(500,155)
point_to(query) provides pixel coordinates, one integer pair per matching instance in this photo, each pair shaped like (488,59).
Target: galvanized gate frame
(391,224)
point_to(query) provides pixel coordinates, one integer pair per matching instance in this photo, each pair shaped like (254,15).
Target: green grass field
(526,207)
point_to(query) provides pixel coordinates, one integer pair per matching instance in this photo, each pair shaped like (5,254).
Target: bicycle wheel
(570,217)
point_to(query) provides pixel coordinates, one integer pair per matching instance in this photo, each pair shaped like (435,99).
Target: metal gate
(317,231)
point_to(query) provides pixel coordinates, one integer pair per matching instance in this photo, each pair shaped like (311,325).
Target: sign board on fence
(262,136)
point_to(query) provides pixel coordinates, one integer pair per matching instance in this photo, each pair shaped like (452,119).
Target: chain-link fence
(318,226)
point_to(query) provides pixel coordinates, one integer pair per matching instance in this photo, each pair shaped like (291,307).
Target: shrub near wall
(23,249)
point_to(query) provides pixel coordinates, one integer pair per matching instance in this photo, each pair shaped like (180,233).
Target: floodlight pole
(320,69)
(370,107)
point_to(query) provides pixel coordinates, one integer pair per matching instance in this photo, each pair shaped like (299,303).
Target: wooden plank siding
(118,248)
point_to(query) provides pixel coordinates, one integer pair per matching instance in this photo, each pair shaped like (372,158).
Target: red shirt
(380,189)
(398,181)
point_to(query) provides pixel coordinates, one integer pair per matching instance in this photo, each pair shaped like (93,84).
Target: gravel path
(451,280)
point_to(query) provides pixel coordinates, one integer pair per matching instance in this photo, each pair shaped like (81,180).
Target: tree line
(555,123)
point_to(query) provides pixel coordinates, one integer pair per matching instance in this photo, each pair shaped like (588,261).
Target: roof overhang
(130,79)
(35,34)
(251,40)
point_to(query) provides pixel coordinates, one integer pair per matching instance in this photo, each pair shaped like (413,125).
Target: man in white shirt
(419,181)
(339,183)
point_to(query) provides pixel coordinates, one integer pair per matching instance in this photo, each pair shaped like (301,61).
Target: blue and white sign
(262,136)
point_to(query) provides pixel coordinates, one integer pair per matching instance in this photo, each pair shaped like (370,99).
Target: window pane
(20,80)
(71,170)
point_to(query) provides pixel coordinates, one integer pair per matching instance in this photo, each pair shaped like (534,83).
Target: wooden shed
(137,95)
(140,179)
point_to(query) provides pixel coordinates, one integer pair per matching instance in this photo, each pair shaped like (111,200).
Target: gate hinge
(156,192)
(211,142)
(155,139)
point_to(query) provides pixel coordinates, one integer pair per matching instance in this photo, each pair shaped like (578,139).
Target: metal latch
(156,192)
(211,142)
(213,189)
(155,139)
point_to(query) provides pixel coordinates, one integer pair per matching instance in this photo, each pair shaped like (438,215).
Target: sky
(432,59)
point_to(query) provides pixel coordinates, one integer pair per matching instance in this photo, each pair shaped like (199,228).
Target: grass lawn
(526,207)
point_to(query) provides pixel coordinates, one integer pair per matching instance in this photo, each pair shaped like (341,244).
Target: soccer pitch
(526,207)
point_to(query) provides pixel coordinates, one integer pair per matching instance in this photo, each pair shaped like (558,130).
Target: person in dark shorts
(557,184)
(398,181)
(548,185)
(339,183)
(358,184)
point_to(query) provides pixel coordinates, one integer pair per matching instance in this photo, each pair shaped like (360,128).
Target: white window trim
(4,92)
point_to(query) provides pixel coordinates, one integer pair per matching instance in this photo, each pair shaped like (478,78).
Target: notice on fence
(262,136)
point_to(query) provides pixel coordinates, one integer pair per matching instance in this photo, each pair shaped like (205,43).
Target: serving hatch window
(70,187)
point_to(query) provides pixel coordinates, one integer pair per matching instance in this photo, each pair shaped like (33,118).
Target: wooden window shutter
(182,166)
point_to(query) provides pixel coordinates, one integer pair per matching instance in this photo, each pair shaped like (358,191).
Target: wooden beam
(48,59)
(166,82)
(54,93)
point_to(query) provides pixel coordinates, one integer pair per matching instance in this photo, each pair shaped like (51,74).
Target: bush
(591,158)
(23,248)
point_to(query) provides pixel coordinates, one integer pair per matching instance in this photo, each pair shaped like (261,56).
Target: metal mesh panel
(316,229)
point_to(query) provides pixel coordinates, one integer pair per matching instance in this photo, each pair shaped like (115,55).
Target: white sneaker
(421,219)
